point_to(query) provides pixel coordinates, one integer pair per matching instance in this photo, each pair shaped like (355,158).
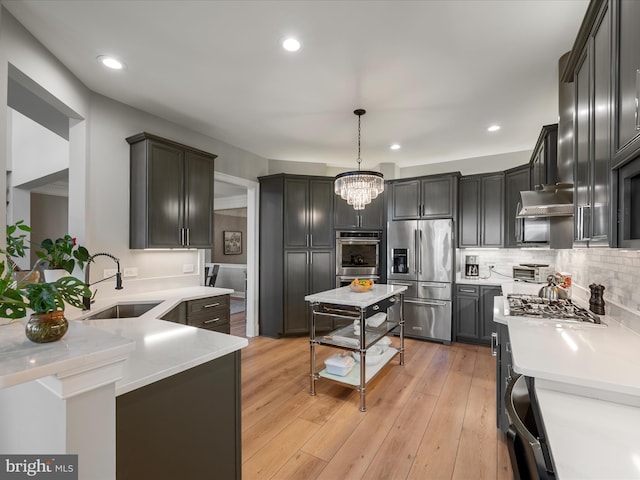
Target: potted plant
(46,301)
(63,255)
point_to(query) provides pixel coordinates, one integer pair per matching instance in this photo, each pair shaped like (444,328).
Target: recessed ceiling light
(290,44)
(493,128)
(111,62)
(395,146)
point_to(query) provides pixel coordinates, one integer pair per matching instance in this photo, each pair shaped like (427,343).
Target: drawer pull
(466,290)
(211,305)
(212,320)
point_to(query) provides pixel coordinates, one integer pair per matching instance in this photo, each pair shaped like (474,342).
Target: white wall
(35,151)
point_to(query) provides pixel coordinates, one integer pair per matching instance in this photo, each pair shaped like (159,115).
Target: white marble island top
(345,296)
(158,348)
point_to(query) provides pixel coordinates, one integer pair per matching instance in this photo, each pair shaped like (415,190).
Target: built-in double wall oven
(357,256)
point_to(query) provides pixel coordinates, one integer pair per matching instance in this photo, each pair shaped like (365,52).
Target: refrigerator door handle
(420,251)
(417,251)
(434,285)
(427,302)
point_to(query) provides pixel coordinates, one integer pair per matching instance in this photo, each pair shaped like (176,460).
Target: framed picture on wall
(232,242)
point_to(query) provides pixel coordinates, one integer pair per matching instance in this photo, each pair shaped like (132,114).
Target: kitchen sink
(124,310)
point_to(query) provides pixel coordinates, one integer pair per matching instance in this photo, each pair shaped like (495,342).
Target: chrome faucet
(86,301)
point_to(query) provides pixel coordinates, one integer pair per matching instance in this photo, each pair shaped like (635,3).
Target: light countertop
(596,361)
(161,348)
(344,295)
(589,438)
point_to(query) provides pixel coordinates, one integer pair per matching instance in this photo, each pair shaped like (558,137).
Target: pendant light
(359,187)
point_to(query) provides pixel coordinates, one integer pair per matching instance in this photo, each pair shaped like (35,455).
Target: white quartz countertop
(22,360)
(590,438)
(344,295)
(596,361)
(158,348)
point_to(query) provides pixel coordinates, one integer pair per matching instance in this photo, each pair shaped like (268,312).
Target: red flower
(74,240)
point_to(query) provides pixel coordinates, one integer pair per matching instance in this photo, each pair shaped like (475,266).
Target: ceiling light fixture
(359,187)
(111,62)
(395,146)
(493,128)
(291,44)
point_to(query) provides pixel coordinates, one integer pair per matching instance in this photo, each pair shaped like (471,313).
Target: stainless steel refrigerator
(420,256)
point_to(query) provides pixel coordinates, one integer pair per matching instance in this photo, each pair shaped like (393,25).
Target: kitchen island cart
(379,312)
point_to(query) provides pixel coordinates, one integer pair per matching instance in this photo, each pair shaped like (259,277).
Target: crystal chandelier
(359,187)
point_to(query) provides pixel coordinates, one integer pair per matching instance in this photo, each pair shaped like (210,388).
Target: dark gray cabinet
(544,161)
(627,75)
(516,180)
(187,425)
(474,313)
(592,133)
(371,218)
(422,198)
(210,313)
(481,217)
(296,249)
(171,194)
(308,204)
(504,369)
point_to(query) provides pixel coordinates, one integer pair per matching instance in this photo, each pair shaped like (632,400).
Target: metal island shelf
(342,307)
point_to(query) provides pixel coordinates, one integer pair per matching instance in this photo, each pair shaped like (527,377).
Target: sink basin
(123,310)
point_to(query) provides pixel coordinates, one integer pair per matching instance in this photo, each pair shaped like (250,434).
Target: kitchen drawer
(224,328)
(209,318)
(464,289)
(204,304)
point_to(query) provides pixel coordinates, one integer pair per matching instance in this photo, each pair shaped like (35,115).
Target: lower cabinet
(306,272)
(504,364)
(211,313)
(184,426)
(474,313)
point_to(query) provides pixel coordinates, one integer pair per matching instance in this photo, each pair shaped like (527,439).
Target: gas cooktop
(522,305)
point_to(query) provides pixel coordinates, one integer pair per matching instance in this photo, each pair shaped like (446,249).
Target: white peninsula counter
(102,368)
(378,311)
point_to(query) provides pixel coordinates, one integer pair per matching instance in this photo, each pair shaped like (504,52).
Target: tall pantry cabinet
(296,249)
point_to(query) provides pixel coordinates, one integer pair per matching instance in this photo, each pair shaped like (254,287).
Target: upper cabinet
(423,198)
(545,157)
(371,218)
(516,180)
(590,69)
(627,78)
(308,204)
(171,194)
(592,135)
(481,218)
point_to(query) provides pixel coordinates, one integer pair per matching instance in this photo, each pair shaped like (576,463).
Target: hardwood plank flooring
(433,418)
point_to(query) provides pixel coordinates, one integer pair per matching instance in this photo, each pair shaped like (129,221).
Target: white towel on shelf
(377,319)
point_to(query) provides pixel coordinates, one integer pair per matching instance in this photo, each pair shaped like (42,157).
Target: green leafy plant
(49,297)
(63,253)
(17,297)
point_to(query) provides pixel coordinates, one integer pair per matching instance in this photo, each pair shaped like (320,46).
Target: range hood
(549,201)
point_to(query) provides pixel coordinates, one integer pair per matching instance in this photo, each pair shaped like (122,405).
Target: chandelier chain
(359,158)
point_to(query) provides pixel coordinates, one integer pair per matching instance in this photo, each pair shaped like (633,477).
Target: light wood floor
(433,418)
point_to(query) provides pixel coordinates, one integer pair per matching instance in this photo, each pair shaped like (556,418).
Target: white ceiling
(432,75)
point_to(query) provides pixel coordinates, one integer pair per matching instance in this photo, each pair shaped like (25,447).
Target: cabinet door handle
(306,240)
(212,320)
(494,344)
(211,305)
(188,242)
(637,99)
(466,290)
(508,347)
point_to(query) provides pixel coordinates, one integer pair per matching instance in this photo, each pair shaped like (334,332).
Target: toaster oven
(534,273)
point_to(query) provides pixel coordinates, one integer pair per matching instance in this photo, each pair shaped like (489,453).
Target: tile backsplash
(504,259)
(617,269)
